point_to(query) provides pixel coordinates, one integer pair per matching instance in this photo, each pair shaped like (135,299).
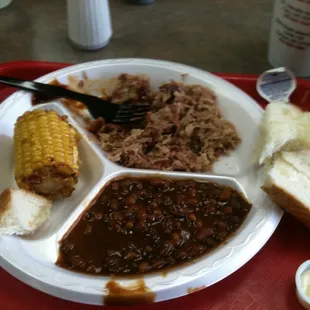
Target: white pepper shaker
(89,23)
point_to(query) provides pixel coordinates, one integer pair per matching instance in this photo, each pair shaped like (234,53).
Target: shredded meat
(184,130)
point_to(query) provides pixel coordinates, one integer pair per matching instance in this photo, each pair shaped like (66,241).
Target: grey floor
(215,35)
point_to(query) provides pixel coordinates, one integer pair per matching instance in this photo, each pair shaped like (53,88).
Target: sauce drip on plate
(126,296)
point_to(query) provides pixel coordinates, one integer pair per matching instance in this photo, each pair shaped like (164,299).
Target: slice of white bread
(300,160)
(22,212)
(289,187)
(284,128)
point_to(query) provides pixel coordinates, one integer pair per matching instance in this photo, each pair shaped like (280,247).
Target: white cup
(289,43)
(4,3)
(301,296)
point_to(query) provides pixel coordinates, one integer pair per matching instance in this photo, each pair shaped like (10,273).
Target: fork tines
(128,113)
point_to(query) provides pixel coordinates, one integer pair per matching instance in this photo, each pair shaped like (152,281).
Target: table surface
(219,36)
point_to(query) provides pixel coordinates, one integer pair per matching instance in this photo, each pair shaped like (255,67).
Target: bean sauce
(140,225)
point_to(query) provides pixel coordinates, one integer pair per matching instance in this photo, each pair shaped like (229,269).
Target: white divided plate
(31,259)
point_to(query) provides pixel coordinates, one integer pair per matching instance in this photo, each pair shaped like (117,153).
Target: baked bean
(170,260)
(158,197)
(126,183)
(114,204)
(139,185)
(220,235)
(192,192)
(117,227)
(151,217)
(158,213)
(154,204)
(221,226)
(93,269)
(167,249)
(176,238)
(173,209)
(192,202)
(98,215)
(198,249)
(181,254)
(227,210)
(198,223)
(148,249)
(89,216)
(117,216)
(144,267)
(191,184)
(131,199)
(104,199)
(141,213)
(203,233)
(212,202)
(140,226)
(235,204)
(113,260)
(211,210)
(129,224)
(88,229)
(167,200)
(67,247)
(115,186)
(235,220)
(157,181)
(191,217)
(156,238)
(111,223)
(210,242)
(130,211)
(131,255)
(225,194)
(180,199)
(158,263)
(191,253)
(176,224)
(77,261)
(144,194)
(125,192)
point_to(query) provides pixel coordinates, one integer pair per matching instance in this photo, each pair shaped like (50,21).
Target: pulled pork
(184,130)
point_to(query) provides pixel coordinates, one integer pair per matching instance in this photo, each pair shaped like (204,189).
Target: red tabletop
(266,282)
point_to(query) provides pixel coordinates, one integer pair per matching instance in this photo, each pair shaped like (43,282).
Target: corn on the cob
(45,154)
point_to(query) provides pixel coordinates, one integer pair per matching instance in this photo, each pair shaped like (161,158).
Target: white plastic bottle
(89,23)
(289,44)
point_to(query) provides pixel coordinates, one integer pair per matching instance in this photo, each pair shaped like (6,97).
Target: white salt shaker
(89,23)
(289,43)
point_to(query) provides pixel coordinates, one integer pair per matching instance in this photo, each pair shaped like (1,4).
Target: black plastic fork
(110,112)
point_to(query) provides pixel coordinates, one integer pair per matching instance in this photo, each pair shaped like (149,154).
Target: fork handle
(47,89)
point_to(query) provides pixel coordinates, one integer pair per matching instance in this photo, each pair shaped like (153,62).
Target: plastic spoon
(276,84)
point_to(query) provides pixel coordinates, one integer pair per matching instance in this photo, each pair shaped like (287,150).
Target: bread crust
(289,203)
(5,198)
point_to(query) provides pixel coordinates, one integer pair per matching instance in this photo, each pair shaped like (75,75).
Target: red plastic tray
(266,282)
